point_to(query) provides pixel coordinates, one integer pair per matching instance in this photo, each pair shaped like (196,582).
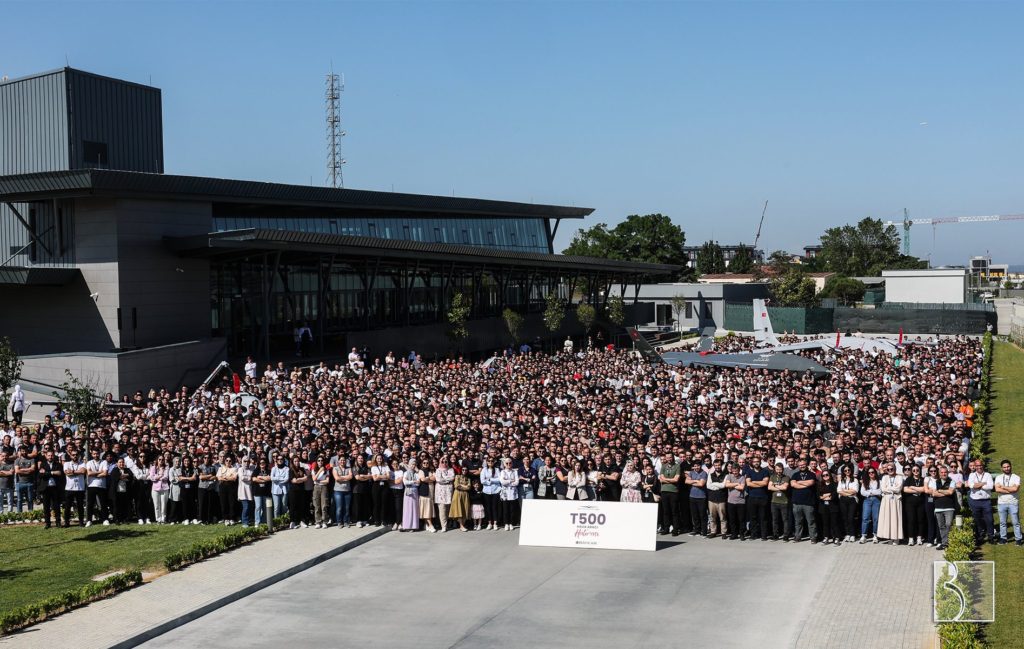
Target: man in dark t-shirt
(803,491)
(757,498)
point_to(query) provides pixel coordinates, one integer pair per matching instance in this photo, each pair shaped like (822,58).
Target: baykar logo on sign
(964,591)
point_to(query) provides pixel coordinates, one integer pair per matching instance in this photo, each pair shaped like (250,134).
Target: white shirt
(97,466)
(250,369)
(73,482)
(1008,481)
(980,485)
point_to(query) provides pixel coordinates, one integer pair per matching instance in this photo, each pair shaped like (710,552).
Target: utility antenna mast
(332,105)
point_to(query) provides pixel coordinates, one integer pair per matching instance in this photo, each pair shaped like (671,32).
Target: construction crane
(758,236)
(907,222)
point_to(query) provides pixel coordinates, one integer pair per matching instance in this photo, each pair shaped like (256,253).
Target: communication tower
(332,103)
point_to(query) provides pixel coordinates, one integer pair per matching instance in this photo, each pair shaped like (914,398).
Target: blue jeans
(25,495)
(7,497)
(280,504)
(342,507)
(869,514)
(525,491)
(260,506)
(1008,512)
(246,512)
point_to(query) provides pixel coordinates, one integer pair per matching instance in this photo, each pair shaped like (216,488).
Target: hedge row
(32,613)
(34,516)
(206,549)
(961,547)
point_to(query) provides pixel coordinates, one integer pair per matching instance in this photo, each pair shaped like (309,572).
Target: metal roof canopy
(261,241)
(129,184)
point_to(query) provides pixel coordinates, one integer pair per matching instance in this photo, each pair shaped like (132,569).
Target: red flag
(837,339)
(901,336)
(236,383)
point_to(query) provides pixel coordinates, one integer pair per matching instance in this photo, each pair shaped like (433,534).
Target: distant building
(983,271)
(810,252)
(728,252)
(746,278)
(704,303)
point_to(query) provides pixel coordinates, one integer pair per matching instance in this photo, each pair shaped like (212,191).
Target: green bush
(25,616)
(206,549)
(33,516)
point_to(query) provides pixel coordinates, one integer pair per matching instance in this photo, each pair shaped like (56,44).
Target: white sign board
(589,524)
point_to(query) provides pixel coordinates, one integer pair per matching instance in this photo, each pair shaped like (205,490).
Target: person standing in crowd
(696,480)
(828,509)
(668,477)
(74,487)
(803,486)
(7,494)
(120,491)
(51,486)
(848,489)
(160,486)
(871,492)
(931,529)
(444,478)
(778,487)
(546,480)
(491,483)
(757,498)
(736,502)
(914,523)
(227,488)
(25,472)
(261,491)
(206,495)
(396,492)
(630,484)
(297,513)
(476,505)
(1007,485)
(411,500)
(174,493)
(280,481)
(244,492)
(460,510)
(943,491)
(509,479)
(343,491)
(979,499)
(890,515)
(95,501)
(142,489)
(718,520)
(527,482)
(380,483)
(577,482)
(426,489)
(321,493)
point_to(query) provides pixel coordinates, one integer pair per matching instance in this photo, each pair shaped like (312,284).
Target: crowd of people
(875,452)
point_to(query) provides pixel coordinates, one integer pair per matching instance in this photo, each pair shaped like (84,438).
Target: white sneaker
(920,541)
(433,530)
(863,539)
(106,522)
(141,521)
(88,523)
(304,526)
(508,528)
(149,521)
(184,522)
(195,521)
(876,540)
(928,545)
(395,526)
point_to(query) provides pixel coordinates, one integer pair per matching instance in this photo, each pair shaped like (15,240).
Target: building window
(465,236)
(334,226)
(94,154)
(664,315)
(689,310)
(405,233)
(437,235)
(490,237)
(373,229)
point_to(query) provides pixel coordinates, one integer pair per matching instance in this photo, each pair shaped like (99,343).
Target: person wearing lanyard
(979,499)
(1007,485)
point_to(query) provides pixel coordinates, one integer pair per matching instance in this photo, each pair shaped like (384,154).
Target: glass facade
(523,235)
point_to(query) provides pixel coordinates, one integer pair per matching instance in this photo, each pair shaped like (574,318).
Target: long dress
(411,501)
(631,487)
(460,498)
(890,515)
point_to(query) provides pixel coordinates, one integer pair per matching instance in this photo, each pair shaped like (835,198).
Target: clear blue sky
(698,111)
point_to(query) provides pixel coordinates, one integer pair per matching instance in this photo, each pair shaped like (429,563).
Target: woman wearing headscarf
(509,480)
(411,501)
(460,500)
(17,405)
(444,478)
(890,516)
(630,484)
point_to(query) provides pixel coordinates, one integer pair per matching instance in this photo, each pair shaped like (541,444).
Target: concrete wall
(936,285)
(169,366)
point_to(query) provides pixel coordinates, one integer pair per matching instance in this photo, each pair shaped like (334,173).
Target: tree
(79,399)
(10,373)
(587,316)
(793,288)
(458,315)
(780,261)
(743,261)
(649,238)
(845,289)
(863,250)
(554,312)
(678,307)
(513,324)
(710,259)
(616,311)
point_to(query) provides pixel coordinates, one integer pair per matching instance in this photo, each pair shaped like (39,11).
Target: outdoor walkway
(190,592)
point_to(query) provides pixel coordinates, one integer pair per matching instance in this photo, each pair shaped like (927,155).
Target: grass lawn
(1007,441)
(38,563)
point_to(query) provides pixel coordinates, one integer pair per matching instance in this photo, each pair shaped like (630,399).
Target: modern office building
(130,277)
(728,253)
